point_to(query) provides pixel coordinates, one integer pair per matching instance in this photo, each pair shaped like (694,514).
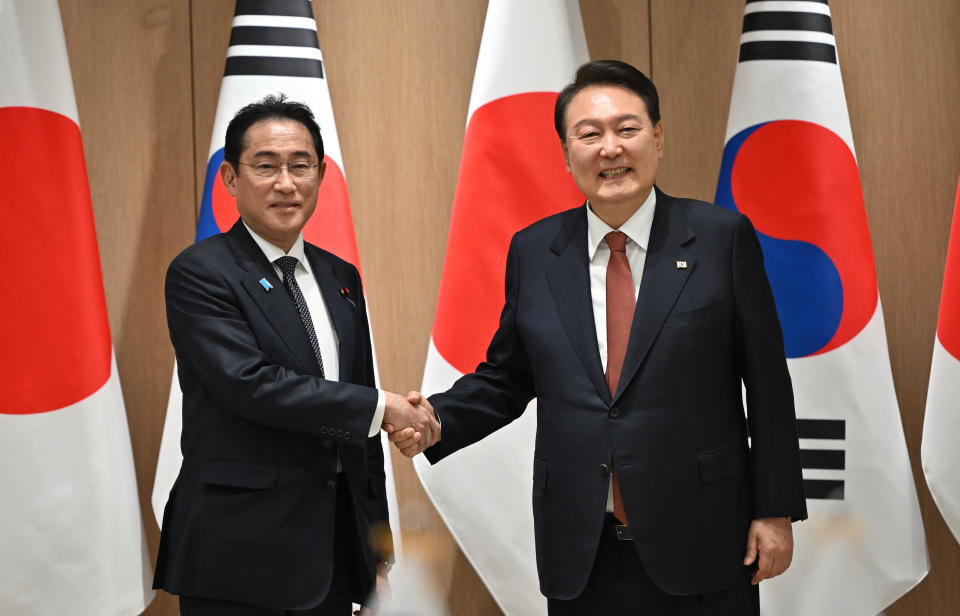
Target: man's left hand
(382,592)
(772,540)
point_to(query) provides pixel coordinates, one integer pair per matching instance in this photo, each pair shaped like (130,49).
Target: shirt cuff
(378,414)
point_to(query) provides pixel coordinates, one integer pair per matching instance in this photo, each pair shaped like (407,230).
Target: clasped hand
(770,546)
(410,422)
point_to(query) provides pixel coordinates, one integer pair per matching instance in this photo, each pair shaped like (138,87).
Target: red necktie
(621,304)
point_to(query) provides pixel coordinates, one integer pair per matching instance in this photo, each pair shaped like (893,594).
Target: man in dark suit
(637,320)
(282,483)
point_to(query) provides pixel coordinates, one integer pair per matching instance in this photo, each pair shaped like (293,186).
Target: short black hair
(270,107)
(607,72)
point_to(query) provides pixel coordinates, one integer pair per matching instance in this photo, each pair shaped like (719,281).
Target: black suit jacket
(251,515)
(675,428)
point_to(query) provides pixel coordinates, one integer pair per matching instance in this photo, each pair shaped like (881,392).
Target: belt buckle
(623,532)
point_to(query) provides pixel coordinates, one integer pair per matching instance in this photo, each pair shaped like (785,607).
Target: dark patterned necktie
(621,304)
(287,265)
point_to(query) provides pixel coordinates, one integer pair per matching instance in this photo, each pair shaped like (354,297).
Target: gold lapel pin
(681,265)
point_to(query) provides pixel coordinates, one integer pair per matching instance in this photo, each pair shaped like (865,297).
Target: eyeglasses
(300,169)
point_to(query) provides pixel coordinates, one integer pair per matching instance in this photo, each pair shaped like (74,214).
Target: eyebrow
(619,118)
(272,153)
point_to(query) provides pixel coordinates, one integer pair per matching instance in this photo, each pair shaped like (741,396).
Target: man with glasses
(282,483)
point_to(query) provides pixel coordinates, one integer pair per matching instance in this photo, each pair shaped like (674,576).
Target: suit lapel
(662,281)
(275,303)
(340,304)
(569,279)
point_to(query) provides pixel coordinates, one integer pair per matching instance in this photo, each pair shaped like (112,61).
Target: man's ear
(658,135)
(229,176)
(321,171)
(566,155)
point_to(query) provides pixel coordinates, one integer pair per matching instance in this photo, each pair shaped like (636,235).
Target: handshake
(410,422)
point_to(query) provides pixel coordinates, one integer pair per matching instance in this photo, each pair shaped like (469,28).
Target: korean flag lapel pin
(681,265)
(265,284)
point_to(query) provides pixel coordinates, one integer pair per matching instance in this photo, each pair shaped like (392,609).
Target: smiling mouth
(614,173)
(284,206)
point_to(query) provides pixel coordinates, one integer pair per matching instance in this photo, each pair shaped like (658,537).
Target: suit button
(346,434)
(604,470)
(324,429)
(614,412)
(331,485)
(339,433)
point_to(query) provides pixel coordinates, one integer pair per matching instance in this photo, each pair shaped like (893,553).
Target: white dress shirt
(319,315)
(637,230)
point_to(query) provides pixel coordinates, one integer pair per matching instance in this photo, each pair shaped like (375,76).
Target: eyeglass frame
(279,168)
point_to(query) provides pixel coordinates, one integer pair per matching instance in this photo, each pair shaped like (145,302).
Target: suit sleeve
(498,391)
(215,344)
(776,475)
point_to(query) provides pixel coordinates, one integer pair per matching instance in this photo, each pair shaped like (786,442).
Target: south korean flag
(789,164)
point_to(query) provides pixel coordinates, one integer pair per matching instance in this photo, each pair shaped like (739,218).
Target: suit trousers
(341,596)
(618,584)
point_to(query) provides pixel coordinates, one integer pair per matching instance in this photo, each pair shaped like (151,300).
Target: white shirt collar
(636,228)
(273,252)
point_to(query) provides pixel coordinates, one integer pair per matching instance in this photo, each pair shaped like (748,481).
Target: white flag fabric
(273,49)
(941,424)
(71,534)
(511,174)
(789,165)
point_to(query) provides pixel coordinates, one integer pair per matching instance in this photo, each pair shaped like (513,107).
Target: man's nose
(610,146)
(284,181)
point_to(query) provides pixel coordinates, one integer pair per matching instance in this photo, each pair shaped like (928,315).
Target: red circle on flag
(811,193)
(511,175)
(54,331)
(948,324)
(330,227)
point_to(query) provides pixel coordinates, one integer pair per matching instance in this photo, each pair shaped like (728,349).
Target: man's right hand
(411,421)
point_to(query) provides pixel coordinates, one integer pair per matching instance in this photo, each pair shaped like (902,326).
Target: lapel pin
(681,265)
(344,291)
(266,284)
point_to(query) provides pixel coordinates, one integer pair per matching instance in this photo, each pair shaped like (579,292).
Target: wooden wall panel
(131,73)
(618,30)
(694,54)
(210,22)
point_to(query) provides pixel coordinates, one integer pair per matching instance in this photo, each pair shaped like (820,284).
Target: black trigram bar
(280,67)
(788,50)
(823,489)
(787,20)
(288,8)
(835,429)
(831,459)
(257,35)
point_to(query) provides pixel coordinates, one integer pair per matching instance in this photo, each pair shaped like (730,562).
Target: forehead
(602,101)
(280,136)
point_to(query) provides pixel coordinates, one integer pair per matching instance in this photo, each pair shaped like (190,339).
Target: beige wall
(147,75)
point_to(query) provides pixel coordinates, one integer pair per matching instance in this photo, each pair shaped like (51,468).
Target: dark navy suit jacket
(675,429)
(251,516)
